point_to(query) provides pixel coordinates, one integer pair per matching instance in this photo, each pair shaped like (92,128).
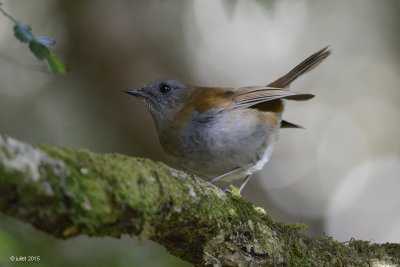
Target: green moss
(297,226)
(93,194)
(9,177)
(260,210)
(235,191)
(112,194)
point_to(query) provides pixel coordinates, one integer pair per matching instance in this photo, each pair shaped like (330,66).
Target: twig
(6,14)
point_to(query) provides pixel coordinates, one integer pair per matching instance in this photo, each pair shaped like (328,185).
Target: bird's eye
(164,88)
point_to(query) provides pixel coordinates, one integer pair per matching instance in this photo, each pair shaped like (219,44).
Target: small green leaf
(22,32)
(56,65)
(40,51)
(38,46)
(45,40)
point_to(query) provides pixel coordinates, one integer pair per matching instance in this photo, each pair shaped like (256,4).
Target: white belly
(256,165)
(263,160)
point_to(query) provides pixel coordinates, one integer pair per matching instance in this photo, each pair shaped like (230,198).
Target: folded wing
(250,97)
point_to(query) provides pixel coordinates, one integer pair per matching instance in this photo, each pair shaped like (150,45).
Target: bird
(222,133)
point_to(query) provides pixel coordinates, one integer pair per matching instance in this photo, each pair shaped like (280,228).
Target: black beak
(136,92)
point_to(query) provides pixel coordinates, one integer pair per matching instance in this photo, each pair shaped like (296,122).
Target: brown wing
(205,99)
(248,97)
(266,99)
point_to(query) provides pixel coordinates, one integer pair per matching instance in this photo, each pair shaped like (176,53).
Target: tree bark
(69,192)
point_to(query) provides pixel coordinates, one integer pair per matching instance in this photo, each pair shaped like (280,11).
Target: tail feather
(305,66)
(286,124)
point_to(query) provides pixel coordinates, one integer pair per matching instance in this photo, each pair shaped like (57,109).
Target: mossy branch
(69,192)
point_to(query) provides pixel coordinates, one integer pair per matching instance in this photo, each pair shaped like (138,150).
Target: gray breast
(210,146)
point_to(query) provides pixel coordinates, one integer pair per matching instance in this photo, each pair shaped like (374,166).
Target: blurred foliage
(18,239)
(7,246)
(37,44)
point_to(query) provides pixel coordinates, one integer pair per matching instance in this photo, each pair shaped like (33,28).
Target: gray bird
(222,133)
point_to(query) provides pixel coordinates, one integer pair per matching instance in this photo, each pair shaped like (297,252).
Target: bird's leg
(235,171)
(246,179)
(242,185)
(219,177)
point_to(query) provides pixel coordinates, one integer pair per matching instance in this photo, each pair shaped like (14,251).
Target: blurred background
(341,175)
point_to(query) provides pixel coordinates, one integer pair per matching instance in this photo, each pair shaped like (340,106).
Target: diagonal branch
(68,192)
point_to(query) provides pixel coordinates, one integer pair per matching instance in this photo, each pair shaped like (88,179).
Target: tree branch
(68,192)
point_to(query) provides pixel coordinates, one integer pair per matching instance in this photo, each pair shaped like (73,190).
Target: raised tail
(305,66)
